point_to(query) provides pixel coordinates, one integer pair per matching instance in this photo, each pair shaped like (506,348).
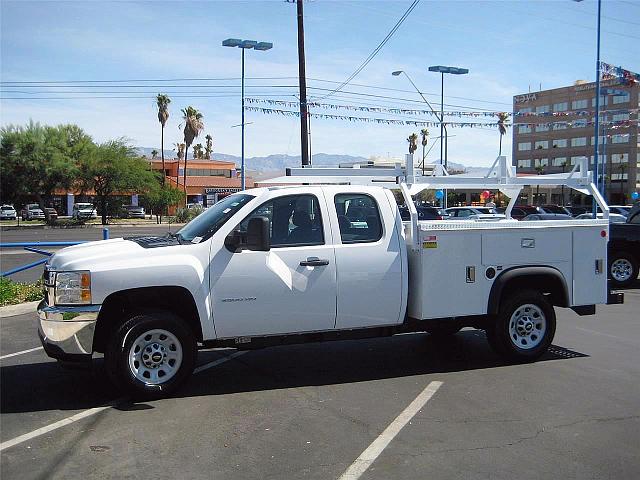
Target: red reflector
(603,233)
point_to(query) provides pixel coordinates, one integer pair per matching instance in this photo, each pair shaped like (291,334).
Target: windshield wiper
(177,236)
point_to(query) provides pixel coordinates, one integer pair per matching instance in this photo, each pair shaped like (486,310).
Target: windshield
(209,221)
(84,205)
(6,208)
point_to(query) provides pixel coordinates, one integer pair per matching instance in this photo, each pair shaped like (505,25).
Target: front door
(292,287)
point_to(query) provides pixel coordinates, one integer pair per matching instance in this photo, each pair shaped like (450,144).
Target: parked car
(424,213)
(83,211)
(555,209)
(624,249)
(7,212)
(547,216)
(575,211)
(132,211)
(32,211)
(53,215)
(474,213)
(613,217)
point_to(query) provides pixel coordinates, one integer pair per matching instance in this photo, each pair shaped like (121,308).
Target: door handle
(314,262)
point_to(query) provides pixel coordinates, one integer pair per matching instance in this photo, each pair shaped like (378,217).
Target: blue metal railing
(32,247)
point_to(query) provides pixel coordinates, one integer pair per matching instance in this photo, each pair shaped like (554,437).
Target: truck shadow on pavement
(46,386)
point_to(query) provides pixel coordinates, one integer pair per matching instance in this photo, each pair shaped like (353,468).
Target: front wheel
(151,355)
(524,327)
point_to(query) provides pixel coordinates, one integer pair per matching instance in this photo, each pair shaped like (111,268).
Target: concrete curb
(19,309)
(8,228)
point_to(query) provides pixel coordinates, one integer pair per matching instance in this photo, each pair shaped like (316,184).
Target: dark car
(555,209)
(624,249)
(575,211)
(520,211)
(51,212)
(132,211)
(547,216)
(424,213)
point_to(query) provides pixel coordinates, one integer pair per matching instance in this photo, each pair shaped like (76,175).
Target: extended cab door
(370,259)
(292,287)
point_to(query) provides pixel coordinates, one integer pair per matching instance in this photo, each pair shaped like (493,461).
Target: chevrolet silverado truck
(624,249)
(280,265)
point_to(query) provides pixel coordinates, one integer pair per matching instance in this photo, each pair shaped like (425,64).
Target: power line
(376,50)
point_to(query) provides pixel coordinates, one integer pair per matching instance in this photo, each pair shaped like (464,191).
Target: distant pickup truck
(306,263)
(624,249)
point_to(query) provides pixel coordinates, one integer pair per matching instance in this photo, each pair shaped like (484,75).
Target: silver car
(32,211)
(7,212)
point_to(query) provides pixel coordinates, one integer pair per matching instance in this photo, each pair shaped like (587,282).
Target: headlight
(73,288)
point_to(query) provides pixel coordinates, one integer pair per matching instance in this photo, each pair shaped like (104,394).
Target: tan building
(559,129)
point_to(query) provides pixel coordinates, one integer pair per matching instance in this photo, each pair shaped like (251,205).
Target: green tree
(539,171)
(36,160)
(197,151)
(154,154)
(160,198)
(208,149)
(162,102)
(193,122)
(113,168)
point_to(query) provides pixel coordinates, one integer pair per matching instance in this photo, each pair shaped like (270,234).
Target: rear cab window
(358,218)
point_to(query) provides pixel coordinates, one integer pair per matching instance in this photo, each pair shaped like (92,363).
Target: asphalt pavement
(320,410)
(14,257)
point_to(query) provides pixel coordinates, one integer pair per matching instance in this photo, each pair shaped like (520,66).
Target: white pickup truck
(305,263)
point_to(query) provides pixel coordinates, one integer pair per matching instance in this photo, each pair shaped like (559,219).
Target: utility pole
(304,126)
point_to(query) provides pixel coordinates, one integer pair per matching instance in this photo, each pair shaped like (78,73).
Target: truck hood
(87,255)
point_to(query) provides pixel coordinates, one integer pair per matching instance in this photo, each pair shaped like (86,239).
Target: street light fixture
(244,45)
(397,73)
(441,69)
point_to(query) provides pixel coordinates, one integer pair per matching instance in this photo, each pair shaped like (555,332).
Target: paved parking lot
(310,411)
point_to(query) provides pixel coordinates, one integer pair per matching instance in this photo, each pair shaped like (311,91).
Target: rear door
(369,259)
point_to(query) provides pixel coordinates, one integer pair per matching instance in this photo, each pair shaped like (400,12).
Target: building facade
(552,129)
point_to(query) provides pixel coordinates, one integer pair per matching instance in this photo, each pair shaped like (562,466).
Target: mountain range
(276,163)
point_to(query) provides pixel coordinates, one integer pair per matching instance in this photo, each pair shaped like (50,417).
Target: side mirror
(258,237)
(233,241)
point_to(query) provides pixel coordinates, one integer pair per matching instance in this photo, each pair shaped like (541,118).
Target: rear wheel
(524,327)
(623,269)
(151,355)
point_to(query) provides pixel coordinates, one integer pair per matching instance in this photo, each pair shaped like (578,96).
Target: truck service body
(303,263)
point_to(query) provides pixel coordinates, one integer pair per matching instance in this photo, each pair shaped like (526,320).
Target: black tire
(623,269)
(120,350)
(515,333)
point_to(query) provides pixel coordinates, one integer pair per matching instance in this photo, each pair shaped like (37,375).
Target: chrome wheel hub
(527,326)
(621,270)
(155,357)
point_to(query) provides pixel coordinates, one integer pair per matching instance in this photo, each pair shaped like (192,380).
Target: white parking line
(373,451)
(9,355)
(92,411)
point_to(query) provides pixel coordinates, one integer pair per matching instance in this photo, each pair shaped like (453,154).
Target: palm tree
(413,143)
(539,171)
(197,151)
(193,126)
(162,101)
(209,148)
(424,133)
(503,118)
(154,154)
(180,153)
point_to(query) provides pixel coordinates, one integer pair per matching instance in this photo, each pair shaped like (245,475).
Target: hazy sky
(509,47)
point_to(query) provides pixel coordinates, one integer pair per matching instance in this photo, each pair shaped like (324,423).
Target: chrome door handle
(314,262)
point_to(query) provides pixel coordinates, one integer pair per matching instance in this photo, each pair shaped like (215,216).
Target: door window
(358,218)
(294,221)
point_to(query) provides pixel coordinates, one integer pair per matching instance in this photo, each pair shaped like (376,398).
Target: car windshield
(210,221)
(6,208)
(84,205)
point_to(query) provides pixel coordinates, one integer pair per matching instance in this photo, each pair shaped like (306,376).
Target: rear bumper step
(615,298)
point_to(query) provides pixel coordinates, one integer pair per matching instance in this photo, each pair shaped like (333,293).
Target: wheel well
(545,280)
(119,306)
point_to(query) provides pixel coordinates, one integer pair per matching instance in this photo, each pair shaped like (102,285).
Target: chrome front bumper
(67,333)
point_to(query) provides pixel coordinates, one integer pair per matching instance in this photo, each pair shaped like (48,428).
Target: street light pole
(398,72)
(243,45)
(453,71)
(597,122)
